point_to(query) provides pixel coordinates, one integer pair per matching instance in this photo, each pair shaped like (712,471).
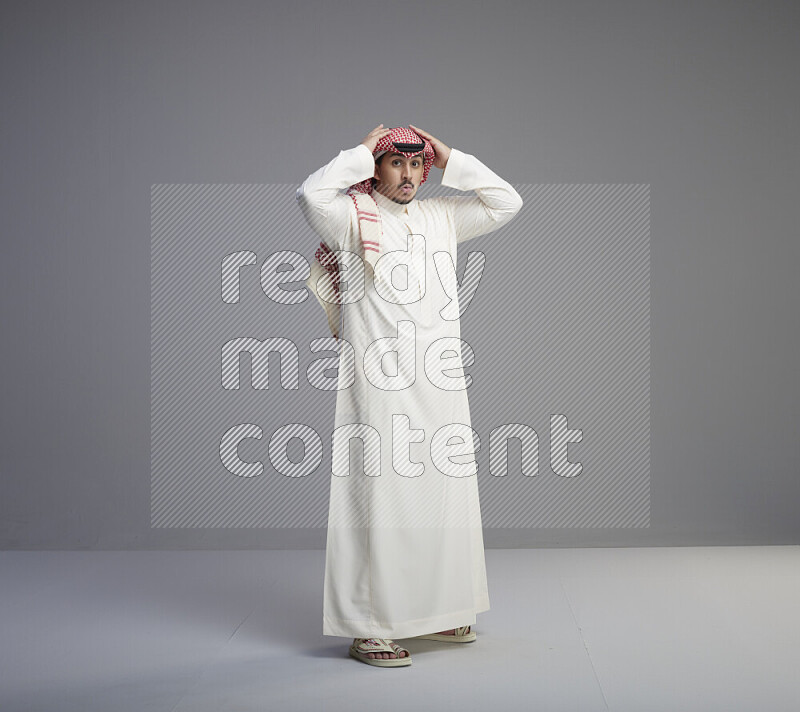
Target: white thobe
(405,552)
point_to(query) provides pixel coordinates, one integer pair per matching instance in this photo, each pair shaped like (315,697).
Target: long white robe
(405,552)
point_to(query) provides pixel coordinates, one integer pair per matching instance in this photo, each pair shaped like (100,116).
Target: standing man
(405,555)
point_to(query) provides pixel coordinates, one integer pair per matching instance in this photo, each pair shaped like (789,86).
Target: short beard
(398,199)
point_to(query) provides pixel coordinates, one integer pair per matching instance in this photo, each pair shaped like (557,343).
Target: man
(404,554)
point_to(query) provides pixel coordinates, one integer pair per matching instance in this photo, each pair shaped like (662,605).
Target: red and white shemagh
(399,140)
(407,142)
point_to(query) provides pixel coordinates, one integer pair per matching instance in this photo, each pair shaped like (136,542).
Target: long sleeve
(331,214)
(495,203)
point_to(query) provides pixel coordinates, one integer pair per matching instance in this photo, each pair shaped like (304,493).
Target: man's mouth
(407,188)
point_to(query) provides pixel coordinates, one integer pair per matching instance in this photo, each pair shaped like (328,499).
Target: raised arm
(332,214)
(495,203)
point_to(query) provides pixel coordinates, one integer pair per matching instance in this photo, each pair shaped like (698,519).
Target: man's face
(398,176)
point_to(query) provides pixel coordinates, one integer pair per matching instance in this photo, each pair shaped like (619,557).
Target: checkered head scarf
(405,141)
(399,140)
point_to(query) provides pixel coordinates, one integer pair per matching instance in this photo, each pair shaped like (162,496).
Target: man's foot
(385,656)
(452,631)
(462,634)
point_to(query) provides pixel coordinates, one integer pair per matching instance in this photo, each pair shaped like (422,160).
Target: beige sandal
(362,646)
(460,636)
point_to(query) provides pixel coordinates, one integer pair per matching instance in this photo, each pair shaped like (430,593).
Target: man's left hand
(442,151)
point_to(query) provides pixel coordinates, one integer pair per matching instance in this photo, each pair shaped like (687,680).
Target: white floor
(678,629)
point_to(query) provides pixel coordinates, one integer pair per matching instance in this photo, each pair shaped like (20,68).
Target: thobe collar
(389,206)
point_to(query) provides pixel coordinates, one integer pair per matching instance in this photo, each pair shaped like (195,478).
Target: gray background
(102,100)
(556,326)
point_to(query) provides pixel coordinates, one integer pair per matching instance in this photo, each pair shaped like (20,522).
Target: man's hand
(442,151)
(372,138)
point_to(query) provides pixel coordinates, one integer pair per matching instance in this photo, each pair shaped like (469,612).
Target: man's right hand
(372,138)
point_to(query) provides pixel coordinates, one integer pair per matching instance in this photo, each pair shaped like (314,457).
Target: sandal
(362,646)
(460,636)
